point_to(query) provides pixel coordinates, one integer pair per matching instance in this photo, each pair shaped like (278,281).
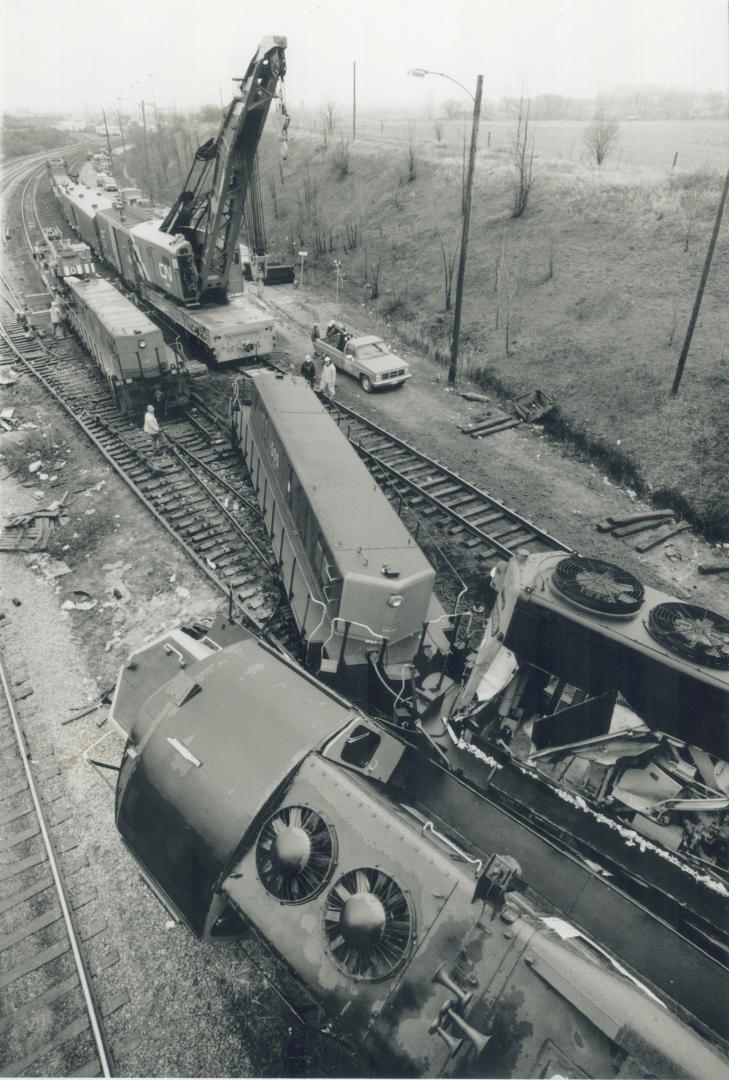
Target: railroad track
(51,1022)
(194,487)
(479,521)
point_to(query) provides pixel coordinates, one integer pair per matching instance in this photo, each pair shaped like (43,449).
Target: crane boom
(210,209)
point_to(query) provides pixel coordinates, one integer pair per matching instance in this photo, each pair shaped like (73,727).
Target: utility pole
(146,149)
(700,294)
(455,341)
(354,100)
(108,141)
(121,129)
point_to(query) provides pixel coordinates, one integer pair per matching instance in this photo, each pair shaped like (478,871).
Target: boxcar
(360,587)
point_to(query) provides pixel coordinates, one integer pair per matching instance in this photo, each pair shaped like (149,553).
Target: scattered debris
(8,377)
(81,713)
(713,568)
(34,466)
(31,530)
(471,395)
(533,406)
(673,530)
(612,523)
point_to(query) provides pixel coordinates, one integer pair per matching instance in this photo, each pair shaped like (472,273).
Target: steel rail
(199,562)
(448,474)
(92,1008)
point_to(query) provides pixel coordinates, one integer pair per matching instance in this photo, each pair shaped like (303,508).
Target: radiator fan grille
(692,632)
(598,586)
(368,924)
(295,854)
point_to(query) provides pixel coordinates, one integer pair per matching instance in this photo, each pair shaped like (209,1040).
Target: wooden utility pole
(121,130)
(108,141)
(700,294)
(455,341)
(354,100)
(146,151)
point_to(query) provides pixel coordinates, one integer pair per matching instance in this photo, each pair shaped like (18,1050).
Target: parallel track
(44,978)
(482,523)
(195,489)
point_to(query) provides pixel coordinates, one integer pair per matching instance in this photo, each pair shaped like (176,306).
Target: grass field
(594,283)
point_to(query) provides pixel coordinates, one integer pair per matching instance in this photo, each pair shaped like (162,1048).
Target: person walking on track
(151,428)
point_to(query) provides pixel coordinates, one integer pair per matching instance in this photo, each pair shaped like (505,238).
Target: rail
(91,1005)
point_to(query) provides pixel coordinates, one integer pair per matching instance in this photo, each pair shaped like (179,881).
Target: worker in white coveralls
(56,318)
(328,377)
(151,428)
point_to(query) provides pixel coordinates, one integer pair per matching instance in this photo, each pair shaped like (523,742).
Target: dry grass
(593,330)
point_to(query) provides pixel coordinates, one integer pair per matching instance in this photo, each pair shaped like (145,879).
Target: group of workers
(327,378)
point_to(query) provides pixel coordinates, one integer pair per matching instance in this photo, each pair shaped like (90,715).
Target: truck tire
(366,383)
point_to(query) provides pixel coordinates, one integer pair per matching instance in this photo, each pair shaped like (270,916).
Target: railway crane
(209,210)
(187,265)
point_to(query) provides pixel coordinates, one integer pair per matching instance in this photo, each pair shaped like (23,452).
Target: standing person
(315,334)
(328,378)
(308,370)
(56,318)
(151,428)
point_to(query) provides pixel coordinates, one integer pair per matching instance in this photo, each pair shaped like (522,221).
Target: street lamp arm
(420,73)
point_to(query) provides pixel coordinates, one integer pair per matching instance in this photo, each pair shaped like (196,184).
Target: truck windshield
(372,350)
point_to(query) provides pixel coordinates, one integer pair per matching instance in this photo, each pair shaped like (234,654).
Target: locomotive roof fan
(602,588)
(296,852)
(368,924)
(691,632)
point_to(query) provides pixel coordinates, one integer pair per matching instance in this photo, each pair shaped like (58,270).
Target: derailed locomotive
(360,588)
(253,797)
(596,729)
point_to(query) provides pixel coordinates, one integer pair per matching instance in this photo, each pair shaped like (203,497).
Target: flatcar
(360,588)
(254,798)
(130,351)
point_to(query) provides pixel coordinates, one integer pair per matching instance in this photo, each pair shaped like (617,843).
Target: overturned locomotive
(255,798)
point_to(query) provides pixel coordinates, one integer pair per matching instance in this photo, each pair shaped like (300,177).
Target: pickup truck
(364,356)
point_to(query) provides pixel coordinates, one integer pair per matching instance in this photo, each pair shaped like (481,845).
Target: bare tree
(373,258)
(599,136)
(449,254)
(438,130)
(523,161)
(327,111)
(352,233)
(507,289)
(341,158)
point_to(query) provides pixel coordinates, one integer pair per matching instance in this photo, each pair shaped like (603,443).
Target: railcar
(139,366)
(252,796)
(113,225)
(360,588)
(80,206)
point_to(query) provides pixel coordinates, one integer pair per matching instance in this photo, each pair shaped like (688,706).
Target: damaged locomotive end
(252,796)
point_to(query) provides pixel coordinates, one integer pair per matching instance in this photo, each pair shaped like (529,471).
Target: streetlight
(420,73)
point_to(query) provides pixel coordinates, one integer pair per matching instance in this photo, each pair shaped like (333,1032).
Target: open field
(641,144)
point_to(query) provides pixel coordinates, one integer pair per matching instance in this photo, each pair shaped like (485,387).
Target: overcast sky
(69,54)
